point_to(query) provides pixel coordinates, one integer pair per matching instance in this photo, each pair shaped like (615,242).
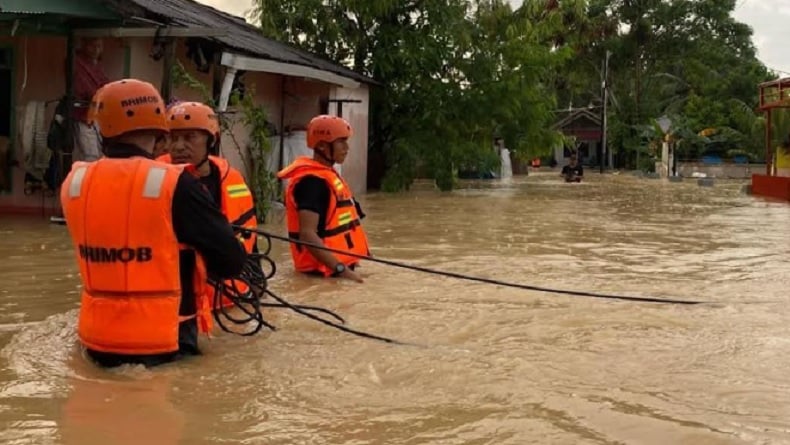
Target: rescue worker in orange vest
(140,229)
(320,208)
(195,139)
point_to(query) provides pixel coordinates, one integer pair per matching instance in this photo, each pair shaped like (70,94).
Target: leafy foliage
(688,60)
(457,73)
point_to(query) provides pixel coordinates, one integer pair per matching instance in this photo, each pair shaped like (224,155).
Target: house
(774,99)
(143,39)
(584,126)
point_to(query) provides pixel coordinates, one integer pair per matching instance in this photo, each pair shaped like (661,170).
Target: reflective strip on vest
(153,182)
(344,218)
(237,190)
(75,188)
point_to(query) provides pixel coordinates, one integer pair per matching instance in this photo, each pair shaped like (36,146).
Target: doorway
(6,117)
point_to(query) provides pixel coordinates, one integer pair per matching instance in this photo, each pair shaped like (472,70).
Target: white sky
(768,18)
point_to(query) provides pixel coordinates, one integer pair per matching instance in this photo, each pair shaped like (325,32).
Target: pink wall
(266,90)
(43,80)
(302,103)
(40,76)
(185,93)
(140,65)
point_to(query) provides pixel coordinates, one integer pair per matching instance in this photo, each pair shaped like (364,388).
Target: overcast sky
(768,18)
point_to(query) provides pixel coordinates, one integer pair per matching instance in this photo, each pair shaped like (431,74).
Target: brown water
(502,366)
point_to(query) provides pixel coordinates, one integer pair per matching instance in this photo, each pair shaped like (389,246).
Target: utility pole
(605,86)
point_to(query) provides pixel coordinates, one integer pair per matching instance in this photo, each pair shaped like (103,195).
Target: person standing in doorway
(89,76)
(320,209)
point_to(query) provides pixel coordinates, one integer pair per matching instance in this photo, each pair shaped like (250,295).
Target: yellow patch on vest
(237,191)
(338,184)
(344,218)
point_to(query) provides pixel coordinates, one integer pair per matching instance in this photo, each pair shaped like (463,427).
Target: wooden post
(71,124)
(167,74)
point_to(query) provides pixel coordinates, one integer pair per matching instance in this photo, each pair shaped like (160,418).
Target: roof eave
(260,64)
(167,31)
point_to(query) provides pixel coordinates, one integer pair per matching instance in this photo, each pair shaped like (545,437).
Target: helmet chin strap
(200,164)
(331,158)
(210,148)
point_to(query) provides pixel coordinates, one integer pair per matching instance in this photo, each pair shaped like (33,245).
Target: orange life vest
(237,204)
(119,215)
(239,208)
(343,230)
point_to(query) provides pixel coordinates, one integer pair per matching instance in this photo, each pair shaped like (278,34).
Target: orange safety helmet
(326,128)
(195,116)
(127,105)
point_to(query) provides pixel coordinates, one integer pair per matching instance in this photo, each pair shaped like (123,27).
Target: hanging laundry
(33,141)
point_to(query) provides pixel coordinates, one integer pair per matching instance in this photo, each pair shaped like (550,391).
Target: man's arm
(198,222)
(312,198)
(311,195)
(308,232)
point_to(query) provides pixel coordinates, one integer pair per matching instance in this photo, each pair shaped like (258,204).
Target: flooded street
(500,366)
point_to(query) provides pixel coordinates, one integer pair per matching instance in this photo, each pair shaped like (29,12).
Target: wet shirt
(88,77)
(213,183)
(574,171)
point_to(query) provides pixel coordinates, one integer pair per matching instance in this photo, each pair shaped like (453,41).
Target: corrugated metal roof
(241,35)
(82,9)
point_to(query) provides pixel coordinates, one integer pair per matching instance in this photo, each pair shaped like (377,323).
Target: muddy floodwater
(497,365)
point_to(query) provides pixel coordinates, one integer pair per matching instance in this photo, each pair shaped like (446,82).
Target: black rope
(255,280)
(471,278)
(249,302)
(336,326)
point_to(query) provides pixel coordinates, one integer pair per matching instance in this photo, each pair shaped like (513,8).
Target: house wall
(45,80)
(355,168)
(39,75)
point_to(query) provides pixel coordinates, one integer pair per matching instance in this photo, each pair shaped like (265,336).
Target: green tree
(454,73)
(687,59)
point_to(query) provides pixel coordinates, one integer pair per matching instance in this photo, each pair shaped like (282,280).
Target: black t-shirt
(575,171)
(213,182)
(312,193)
